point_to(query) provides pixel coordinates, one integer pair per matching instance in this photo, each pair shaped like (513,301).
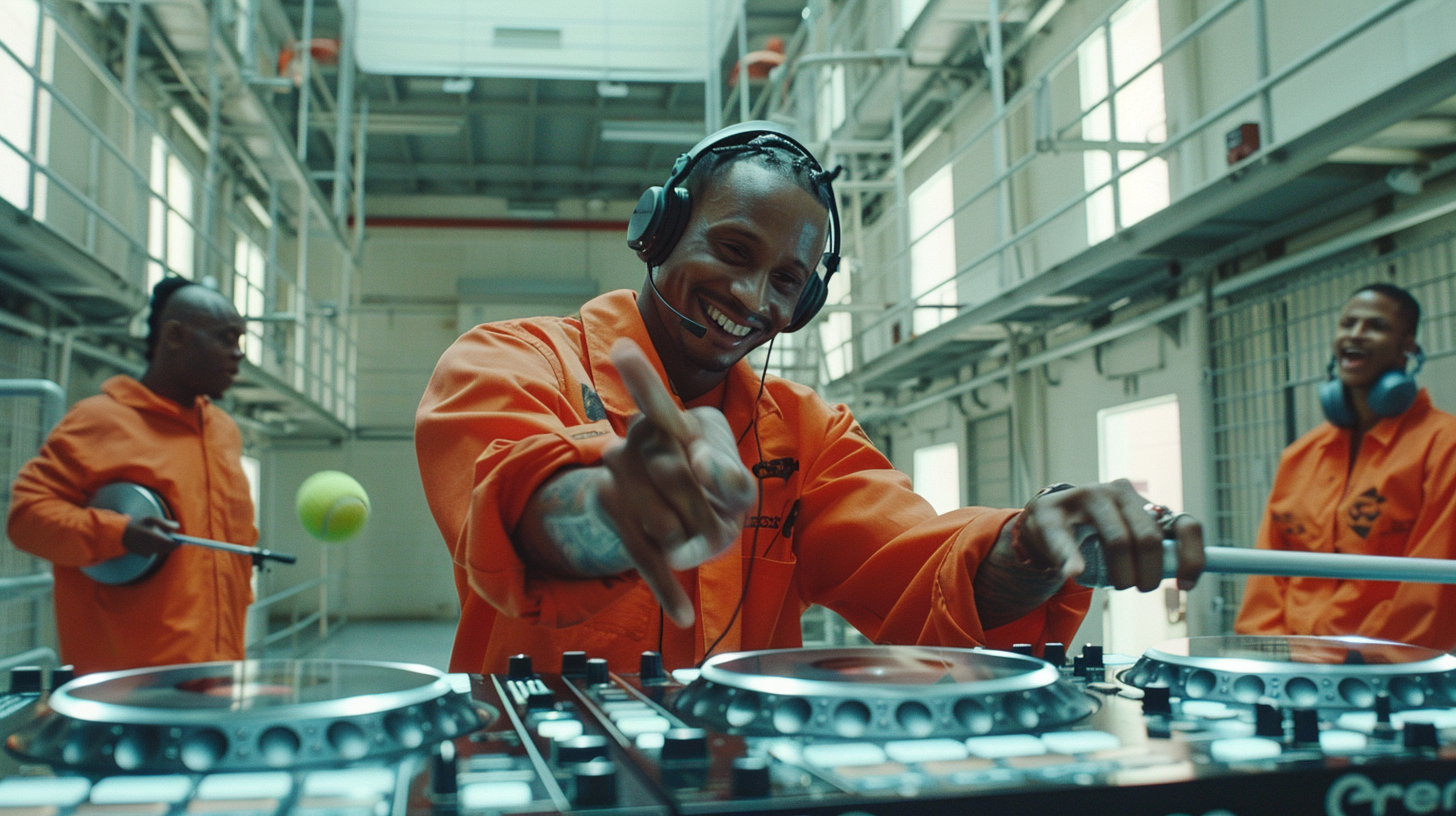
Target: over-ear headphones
(662,213)
(1391,395)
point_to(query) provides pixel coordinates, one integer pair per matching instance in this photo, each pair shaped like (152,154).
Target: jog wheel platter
(246,715)
(881,692)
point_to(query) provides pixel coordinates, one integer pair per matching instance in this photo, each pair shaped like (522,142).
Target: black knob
(1093,655)
(1382,707)
(1421,735)
(1268,721)
(62,675)
(596,671)
(596,783)
(1157,700)
(750,777)
(573,663)
(1306,726)
(25,680)
(444,770)
(651,667)
(1055,654)
(520,667)
(684,745)
(1079,666)
(1022,649)
(540,699)
(581,749)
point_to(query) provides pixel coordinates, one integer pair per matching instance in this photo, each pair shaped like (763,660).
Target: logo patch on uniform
(592,404)
(1364,512)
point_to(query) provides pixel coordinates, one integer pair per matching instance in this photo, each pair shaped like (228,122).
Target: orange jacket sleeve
(48,513)
(876,553)
(518,413)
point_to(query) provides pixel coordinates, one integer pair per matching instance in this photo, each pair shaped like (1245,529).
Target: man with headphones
(622,480)
(1379,478)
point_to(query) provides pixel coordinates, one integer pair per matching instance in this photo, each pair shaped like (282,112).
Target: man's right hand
(149,536)
(675,488)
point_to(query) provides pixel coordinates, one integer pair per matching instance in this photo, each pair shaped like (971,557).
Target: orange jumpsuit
(192,609)
(512,403)
(1398,499)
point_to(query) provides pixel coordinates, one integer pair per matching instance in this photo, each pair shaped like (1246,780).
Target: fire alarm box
(1242,141)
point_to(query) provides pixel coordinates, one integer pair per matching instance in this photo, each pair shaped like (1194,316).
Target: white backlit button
(831,754)
(1243,749)
(1337,742)
(133,790)
(926,750)
(651,741)
(264,785)
(1080,742)
(494,796)
(349,782)
(1208,710)
(559,729)
(35,791)
(1009,745)
(633,726)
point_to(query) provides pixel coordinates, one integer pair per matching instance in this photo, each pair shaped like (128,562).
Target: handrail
(52,403)
(13,587)
(42,655)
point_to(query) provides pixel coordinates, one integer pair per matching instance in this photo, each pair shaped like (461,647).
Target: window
(169,222)
(910,12)
(24,126)
(937,476)
(250,270)
(831,101)
(1141,119)
(932,251)
(1141,442)
(836,328)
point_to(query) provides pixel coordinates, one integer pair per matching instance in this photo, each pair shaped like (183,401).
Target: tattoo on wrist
(586,540)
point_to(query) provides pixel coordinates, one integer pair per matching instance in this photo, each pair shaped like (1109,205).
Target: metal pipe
(344,109)
(52,400)
(305,69)
(743,62)
(14,587)
(42,655)
(1286,563)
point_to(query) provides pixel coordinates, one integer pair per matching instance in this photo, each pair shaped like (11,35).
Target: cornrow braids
(161,294)
(772,153)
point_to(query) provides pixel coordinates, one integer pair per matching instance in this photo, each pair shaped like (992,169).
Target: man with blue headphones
(1379,478)
(588,472)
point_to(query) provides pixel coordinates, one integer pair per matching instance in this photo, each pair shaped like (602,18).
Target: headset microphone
(694,327)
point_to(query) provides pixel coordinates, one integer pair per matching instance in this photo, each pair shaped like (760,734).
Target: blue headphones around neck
(1391,395)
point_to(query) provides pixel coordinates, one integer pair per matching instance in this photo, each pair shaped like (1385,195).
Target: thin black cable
(753,547)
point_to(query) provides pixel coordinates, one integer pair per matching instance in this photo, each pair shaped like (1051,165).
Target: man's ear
(173,334)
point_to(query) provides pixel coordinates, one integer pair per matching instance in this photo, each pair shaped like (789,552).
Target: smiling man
(164,433)
(1378,478)
(622,480)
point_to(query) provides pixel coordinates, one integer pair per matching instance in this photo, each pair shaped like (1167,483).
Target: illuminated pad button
(1362,721)
(133,790)
(494,796)
(651,741)
(1334,741)
(1440,717)
(926,750)
(43,790)
(1010,745)
(559,729)
(1244,749)
(686,676)
(267,785)
(1080,742)
(1208,710)
(349,782)
(829,755)
(624,707)
(632,726)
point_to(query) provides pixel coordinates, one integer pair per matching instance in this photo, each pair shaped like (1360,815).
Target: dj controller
(1215,725)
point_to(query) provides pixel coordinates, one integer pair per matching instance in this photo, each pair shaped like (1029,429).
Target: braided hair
(161,294)
(770,152)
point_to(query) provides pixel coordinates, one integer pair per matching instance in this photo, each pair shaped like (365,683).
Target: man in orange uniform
(162,432)
(1382,485)
(577,523)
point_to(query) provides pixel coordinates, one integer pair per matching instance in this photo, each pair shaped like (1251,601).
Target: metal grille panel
(24,621)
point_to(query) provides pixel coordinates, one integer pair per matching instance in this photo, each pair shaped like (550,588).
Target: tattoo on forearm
(1006,590)
(587,543)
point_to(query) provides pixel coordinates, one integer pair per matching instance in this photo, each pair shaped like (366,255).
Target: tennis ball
(332,506)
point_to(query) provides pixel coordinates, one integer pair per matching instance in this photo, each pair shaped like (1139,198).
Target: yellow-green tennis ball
(332,506)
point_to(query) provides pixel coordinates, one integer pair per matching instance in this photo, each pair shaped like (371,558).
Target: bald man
(163,432)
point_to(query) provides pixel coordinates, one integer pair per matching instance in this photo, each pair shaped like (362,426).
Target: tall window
(170,239)
(250,269)
(836,328)
(1141,118)
(932,251)
(1141,442)
(24,117)
(832,108)
(937,475)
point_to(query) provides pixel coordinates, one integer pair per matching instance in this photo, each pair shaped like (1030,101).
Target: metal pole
(713,89)
(902,199)
(1258,14)
(305,68)
(998,137)
(360,142)
(1013,388)
(133,44)
(344,108)
(743,99)
(1112,128)
(213,166)
(32,159)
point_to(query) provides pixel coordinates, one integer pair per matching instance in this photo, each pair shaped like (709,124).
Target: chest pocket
(771,525)
(1380,519)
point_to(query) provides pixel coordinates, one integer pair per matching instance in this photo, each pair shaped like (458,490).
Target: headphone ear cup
(811,300)
(1333,402)
(1392,394)
(646,223)
(673,220)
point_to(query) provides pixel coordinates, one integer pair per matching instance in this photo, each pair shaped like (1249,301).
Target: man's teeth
(727,325)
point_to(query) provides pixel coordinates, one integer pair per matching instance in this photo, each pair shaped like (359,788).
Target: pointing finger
(647,390)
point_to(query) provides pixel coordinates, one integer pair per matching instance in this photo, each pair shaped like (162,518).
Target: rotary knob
(1022,649)
(519,667)
(1306,726)
(62,675)
(651,667)
(596,671)
(1268,721)
(751,777)
(596,783)
(1093,654)
(1055,654)
(581,749)
(1419,735)
(25,680)
(573,663)
(1157,700)
(444,770)
(684,745)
